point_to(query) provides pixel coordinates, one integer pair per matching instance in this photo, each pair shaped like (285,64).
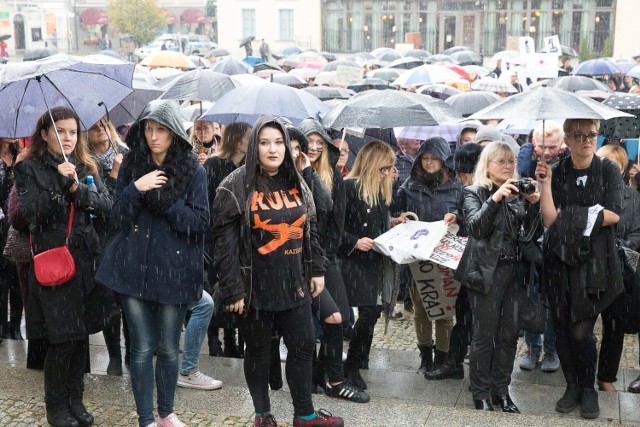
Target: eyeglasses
(503,162)
(344,151)
(581,137)
(385,169)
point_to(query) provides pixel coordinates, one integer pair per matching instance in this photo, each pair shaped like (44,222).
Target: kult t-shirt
(277,229)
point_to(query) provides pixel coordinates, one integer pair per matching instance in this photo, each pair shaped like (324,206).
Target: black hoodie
(233,249)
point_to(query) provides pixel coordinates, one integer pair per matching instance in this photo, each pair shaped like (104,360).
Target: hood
(437,146)
(295,134)
(252,164)
(165,112)
(309,126)
(465,158)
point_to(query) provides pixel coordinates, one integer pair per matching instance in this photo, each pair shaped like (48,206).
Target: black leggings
(296,327)
(576,345)
(611,348)
(64,368)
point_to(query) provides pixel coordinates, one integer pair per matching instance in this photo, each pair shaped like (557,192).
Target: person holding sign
(499,211)
(434,194)
(582,270)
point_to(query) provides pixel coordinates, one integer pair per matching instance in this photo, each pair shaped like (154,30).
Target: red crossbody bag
(55,266)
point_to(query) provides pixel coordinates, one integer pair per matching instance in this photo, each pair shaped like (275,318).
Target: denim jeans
(153,328)
(201,312)
(535,341)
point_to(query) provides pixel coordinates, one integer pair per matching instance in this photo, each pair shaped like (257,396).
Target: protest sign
(437,289)
(449,251)
(346,75)
(552,45)
(526,45)
(542,66)
(411,241)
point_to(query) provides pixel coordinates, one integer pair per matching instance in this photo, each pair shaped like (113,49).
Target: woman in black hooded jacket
(270,266)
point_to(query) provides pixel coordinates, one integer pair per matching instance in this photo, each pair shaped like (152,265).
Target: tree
(143,19)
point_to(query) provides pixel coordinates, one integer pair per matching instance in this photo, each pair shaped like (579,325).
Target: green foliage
(585,51)
(143,19)
(607,49)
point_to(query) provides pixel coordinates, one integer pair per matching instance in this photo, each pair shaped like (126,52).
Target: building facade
(77,25)
(486,25)
(281,23)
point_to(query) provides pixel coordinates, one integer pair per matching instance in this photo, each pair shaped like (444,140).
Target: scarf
(178,170)
(106,159)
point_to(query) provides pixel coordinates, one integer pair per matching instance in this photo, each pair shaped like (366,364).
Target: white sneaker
(199,381)
(171,420)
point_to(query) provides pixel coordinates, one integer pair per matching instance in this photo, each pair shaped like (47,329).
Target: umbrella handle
(106,130)
(64,156)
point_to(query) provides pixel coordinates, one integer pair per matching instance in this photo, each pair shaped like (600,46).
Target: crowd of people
(264,231)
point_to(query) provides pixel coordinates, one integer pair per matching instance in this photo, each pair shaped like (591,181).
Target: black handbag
(626,307)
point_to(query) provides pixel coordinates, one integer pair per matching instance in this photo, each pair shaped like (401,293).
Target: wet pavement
(399,397)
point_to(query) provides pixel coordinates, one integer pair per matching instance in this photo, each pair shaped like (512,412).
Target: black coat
(487,223)
(363,272)
(628,228)
(79,307)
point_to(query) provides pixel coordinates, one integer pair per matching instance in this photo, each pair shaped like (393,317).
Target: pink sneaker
(171,420)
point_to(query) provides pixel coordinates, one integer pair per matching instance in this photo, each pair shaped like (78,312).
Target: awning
(171,17)
(193,16)
(94,16)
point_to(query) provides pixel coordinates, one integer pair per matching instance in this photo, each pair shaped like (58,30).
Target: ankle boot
(426,359)
(449,369)
(439,358)
(14,329)
(79,412)
(61,417)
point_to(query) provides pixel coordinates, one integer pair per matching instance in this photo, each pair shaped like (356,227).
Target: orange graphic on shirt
(282,233)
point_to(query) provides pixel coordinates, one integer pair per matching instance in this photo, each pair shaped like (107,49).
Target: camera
(525,186)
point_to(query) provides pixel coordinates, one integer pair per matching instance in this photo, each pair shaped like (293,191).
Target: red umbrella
(458,69)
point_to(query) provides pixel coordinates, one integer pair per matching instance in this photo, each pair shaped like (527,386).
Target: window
(248,23)
(286,24)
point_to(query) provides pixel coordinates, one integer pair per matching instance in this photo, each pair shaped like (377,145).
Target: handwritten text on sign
(437,288)
(449,250)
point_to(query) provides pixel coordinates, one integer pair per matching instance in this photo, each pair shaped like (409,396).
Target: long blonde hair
(323,167)
(490,152)
(111,130)
(366,173)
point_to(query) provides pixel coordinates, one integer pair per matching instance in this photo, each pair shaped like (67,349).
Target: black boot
(14,328)
(353,375)
(5,332)
(79,412)
(439,358)
(61,417)
(426,359)
(449,369)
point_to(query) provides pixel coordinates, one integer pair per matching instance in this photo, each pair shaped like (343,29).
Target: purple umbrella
(597,67)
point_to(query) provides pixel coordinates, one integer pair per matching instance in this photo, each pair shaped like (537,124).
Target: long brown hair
(38,148)
(231,139)
(366,173)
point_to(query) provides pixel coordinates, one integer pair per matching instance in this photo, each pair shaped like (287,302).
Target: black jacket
(363,272)
(77,308)
(231,225)
(628,228)
(487,223)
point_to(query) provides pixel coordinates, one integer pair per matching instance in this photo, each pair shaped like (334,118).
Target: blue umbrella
(292,50)
(247,103)
(597,67)
(88,85)
(232,67)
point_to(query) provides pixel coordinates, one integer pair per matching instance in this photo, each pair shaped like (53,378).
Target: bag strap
(69,225)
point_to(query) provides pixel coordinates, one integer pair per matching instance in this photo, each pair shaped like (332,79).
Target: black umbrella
(266,66)
(467,57)
(361,57)
(440,57)
(110,53)
(219,52)
(455,49)
(325,93)
(389,56)
(247,40)
(329,56)
(417,53)
(368,84)
(333,66)
(290,80)
(389,108)
(5,37)
(468,103)
(130,108)
(576,83)
(35,54)
(406,63)
(197,85)
(439,91)
(623,127)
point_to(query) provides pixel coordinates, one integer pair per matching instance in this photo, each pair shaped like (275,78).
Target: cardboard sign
(449,251)
(346,75)
(437,289)
(526,45)
(552,45)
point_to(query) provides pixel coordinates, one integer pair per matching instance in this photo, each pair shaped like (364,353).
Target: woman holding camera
(496,208)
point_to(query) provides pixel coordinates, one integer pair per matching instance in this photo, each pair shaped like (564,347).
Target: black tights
(576,346)
(296,327)
(64,368)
